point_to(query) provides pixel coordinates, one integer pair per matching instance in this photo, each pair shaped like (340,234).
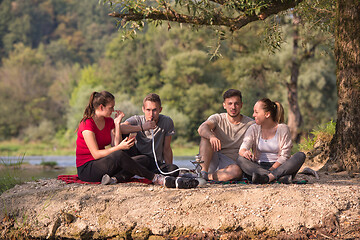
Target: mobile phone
(132,135)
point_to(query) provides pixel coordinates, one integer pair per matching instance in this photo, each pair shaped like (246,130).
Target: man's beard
(234,115)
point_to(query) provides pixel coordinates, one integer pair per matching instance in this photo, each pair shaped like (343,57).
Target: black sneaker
(165,181)
(179,182)
(259,179)
(106,180)
(186,183)
(287,179)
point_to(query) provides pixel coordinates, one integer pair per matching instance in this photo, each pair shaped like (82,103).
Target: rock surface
(53,209)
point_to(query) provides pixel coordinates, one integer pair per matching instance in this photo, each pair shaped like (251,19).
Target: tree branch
(232,23)
(274,7)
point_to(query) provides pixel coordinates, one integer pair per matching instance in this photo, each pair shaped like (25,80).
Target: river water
(69,161)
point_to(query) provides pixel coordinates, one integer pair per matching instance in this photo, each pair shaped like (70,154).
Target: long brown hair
(275,108)
(96,99)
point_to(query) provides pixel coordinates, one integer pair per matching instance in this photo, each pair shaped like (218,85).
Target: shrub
(323,132)
(44,132)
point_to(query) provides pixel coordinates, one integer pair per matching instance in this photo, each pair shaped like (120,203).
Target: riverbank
(324,208)
(17,148)
(51,208)
(15,171)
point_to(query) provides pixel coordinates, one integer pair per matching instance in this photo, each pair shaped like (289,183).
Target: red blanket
(75,179)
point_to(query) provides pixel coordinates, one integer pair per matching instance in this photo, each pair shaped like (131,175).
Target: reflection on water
(31,174)
(69,161)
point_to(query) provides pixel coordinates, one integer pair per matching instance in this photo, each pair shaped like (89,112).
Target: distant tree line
(54,53)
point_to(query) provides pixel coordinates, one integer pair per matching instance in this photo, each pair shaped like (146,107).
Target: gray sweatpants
(290,167)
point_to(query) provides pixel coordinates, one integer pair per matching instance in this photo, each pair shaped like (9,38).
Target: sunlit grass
(323,132)
(179,151)
(16,147)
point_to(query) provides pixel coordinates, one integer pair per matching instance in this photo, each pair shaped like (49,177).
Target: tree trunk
(345,145)
(294,114)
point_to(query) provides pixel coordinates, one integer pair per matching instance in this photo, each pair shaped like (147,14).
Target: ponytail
(275,108)
(96,99)
(279,117)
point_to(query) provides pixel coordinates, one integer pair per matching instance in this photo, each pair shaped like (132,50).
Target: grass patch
(17,147)
(9,167)
(49,164)
(180,151)
(323,132)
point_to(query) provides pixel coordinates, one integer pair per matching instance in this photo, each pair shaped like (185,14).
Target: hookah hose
(156,162)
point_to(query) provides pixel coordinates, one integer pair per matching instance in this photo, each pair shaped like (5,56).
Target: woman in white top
(265,153)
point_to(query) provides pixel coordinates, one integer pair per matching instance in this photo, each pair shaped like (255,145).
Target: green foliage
(323,132)
(80,94)
(254,76)
(187,69)
(23,92)
(63,23)
(5,19)
(123,103)
(134,13)
(44,132)
(273,35)
(129,70)
(78,103)
(49,69)
(181,121)
(319,13)
(201,102)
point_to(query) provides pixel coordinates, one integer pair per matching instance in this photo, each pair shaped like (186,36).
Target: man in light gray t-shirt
(221,137)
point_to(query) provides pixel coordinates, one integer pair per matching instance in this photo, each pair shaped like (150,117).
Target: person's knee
(171,167)
(241,160)
(301,157)
(115,156)
(143,160)
(204,144)
(167,168)
(235,171)
(231,172)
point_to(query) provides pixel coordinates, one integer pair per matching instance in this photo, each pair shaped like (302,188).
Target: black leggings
(117,164)
(290,167)
(149,162)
